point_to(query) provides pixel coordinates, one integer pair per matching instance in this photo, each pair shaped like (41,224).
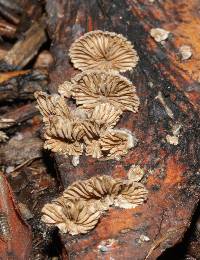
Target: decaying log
(169,93)
(25,49)
(21,84)
(7,29)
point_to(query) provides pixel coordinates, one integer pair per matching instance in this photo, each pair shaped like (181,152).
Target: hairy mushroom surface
(72,217)
(96,87)
(104,51)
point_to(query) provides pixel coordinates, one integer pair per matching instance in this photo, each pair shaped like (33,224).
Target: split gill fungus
(81,205)
(101,95)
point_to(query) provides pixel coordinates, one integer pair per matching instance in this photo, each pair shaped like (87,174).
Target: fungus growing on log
(51,105)
(101,97)
(96,87)
(63,136)
(159,34)
(99,191)
(103,51)
(131,195)
(80,206)
(117,142)
(106,115)
(65,89)
(135,173)
(73,217)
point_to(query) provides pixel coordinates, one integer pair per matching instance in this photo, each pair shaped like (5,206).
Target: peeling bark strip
(24,50)
(171,171)
(14,232)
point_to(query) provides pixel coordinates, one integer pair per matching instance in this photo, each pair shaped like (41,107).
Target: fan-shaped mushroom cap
(63,136)
(93,148)
(132,194)
(94,88)
(73,217)
(65,89)
(98,191)
(106,115)
(135,173)
(104,51)
(117,142)
(51,105)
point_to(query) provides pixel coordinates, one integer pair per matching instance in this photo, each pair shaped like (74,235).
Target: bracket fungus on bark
(98,87)
(73,217)
(101,50)
(99,191)
(117,142)
(132,194)
(82,203)
(63,136)
(51,105)
(101,97)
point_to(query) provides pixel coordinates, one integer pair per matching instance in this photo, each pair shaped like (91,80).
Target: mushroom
(135,173)
(106,115)
(96,87)
(99,192)
(103,51)
(63,136)
(65,89)
(159,34)
(131,195)
(51,105)
(93,148)
(73,217)
(117,142)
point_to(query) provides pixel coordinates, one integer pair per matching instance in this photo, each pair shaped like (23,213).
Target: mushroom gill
(106,115)
(117,142)
(63,136)
(99,191)
(96,87)
(72,217)
(51,105)
(131,195)
(103,51)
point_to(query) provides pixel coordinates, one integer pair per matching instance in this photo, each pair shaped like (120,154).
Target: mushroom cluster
(101,95)
(82,203)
